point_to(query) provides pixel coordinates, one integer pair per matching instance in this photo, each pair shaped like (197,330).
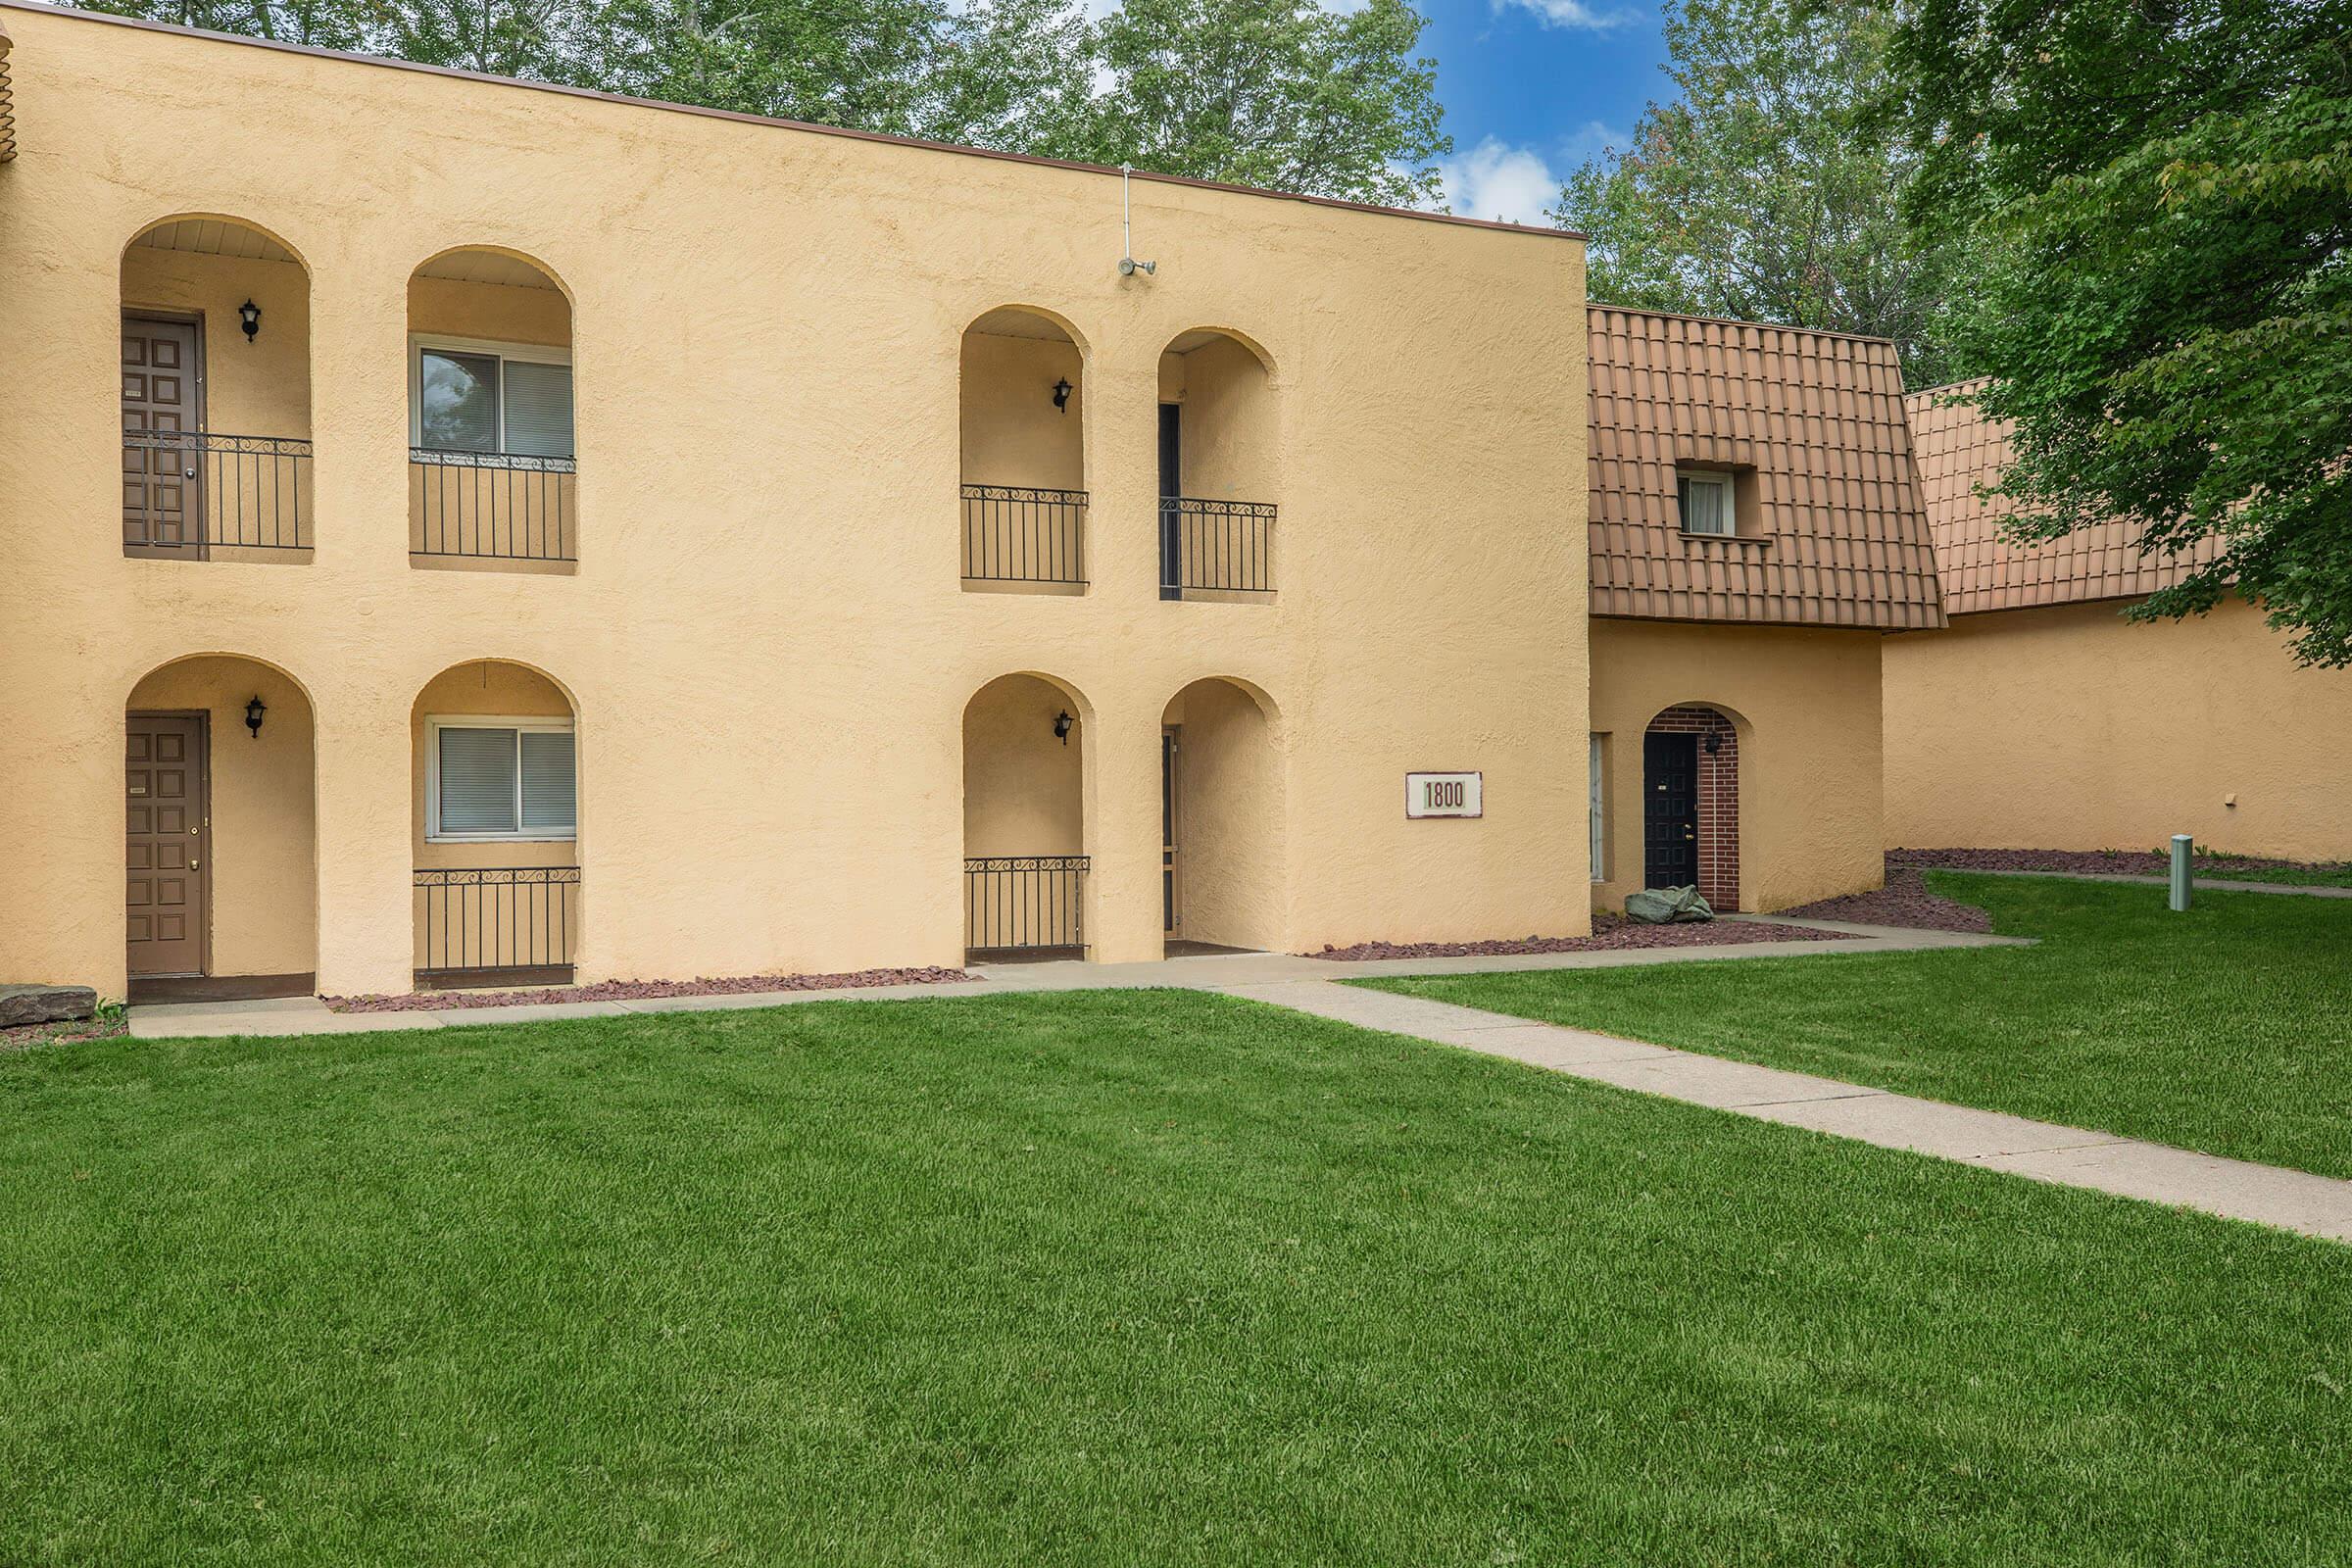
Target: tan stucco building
(1756,534)
(2043,719)
(654,543)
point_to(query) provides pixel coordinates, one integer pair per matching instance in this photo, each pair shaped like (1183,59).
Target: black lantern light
(254,711)
(1061,396)
(1714,742)
(1061,728)
(250,316)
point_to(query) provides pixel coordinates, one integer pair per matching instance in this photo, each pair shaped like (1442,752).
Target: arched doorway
(1221,819)
(1691,803)
(215,393)
(495,822)
(1024,819)
(492,467)
(1217,448)
(1022,423)
(222,883)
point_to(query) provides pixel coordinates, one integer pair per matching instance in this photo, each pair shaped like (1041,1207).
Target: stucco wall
(1023,790)
(261,387)
(2070,728)
(263,882)
(1805,704)
(769,452)
(1012,434)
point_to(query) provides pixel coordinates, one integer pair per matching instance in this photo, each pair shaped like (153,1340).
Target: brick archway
(1718,797)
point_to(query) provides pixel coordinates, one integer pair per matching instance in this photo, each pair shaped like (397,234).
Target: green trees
(2160,192)
(1767,191)
(1264,92)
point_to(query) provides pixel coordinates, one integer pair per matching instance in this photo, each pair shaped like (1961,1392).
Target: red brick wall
(1718,799)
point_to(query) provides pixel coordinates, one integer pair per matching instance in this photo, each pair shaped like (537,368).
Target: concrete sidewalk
(307,1015)
(2069,1157)
(2204,884)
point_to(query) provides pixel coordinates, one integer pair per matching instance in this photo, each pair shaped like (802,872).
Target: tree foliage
(2166,189)
(1280,93)
(1767,192)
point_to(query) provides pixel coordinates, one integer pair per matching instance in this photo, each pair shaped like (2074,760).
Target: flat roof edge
(917,143)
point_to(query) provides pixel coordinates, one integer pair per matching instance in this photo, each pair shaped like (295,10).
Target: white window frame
(1731,499)
(1598,790)
(520,353)
(538,724)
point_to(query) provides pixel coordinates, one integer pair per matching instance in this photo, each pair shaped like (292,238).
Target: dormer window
(1706,504)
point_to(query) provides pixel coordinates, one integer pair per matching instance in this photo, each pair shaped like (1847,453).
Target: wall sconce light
(1061,397)
(254,711)
(249,314)
(1714,743)
(1061,728)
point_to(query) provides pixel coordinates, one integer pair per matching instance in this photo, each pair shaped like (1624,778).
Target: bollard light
(2182,844)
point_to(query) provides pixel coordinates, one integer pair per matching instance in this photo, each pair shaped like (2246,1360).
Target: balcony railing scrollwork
(194,491)
(484,923)
(503,506)
(1019,533)
(1023,903)
(1215,546)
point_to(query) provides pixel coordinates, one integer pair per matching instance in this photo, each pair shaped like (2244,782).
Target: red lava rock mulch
(1904,901)
(642,990)
(2095,863)
(1610,932)
(73,1032)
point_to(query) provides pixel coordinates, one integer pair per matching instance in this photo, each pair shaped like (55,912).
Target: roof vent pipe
(1128,264)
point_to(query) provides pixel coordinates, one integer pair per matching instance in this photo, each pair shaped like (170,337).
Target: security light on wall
(249,316)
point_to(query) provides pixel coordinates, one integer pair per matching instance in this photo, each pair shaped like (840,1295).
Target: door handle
(195,866)
(187,473)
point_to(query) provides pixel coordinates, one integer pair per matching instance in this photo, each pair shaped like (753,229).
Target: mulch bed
(644,989)
(1610,932)
(1904,901)
(2094,863)
(61,1034)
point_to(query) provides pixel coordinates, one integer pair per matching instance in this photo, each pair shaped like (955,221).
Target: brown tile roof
(1957,447)
(1831,529)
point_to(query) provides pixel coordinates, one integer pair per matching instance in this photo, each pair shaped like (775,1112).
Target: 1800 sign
(1444,794)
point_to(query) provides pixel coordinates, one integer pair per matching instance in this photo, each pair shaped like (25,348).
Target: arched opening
(1022,417)
(492,467)
(215,393)
(1217,459)
(1024,819)
(495,822)
(1691,803)
(1221,819)
(221,855)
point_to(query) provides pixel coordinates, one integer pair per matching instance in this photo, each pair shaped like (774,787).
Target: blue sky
(1534,87)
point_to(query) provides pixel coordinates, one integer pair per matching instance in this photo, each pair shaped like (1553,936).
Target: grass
(2298,876)
(1148,1278)
(2227,1029)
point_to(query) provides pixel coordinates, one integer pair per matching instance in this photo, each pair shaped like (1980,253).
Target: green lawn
(1147,1278)
(2227,1029)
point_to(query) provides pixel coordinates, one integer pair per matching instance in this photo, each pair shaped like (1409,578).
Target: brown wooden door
(163,502)
(169,860)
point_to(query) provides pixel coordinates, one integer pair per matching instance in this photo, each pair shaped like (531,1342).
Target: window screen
(477,781)
(538,408)
(1707,501)
(457,401)
(548,782)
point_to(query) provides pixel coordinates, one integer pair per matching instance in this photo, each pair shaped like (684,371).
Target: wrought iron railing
(199,490)
(476,921)
(1014,902)
(492,505)
(1014,533)
(1226,546)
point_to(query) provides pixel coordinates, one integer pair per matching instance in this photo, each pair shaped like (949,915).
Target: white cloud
(1574,13)
(1497,181)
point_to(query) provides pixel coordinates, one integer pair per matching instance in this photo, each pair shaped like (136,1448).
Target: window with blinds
(478,398)
(502,781)
(1706,502)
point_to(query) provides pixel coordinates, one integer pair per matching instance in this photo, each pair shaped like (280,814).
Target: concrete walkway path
(2204,884)
(2069,1157)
